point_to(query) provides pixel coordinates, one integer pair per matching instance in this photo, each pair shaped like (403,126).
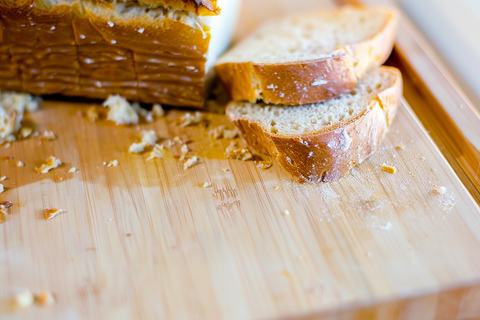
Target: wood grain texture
(144,241)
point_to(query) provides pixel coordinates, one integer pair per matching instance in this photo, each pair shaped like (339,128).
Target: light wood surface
(144,240)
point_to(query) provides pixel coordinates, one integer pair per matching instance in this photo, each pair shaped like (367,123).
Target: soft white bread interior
(322,141)
(309,57)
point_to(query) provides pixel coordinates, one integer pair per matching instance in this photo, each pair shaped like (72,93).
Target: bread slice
(308,58)
(323,141)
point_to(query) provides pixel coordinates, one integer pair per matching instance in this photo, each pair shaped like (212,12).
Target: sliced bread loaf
(310,57)
(323,141)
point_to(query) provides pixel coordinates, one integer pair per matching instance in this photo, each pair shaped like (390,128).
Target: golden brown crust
(70,51)
(296,82)
(199,7)
(329,154)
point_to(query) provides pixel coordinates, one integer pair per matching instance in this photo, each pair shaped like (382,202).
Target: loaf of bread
(310,57)
(153,51)
(323,141)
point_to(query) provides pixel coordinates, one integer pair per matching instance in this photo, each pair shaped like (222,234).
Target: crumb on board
(136,147)
(177,139)
(72,170)
(440,190)
(52,213)
(120,110)
(24,299)
(189,119)
(231,147)
(157,110)
(158,152)
(19,164)
(48,135)
(422,158)
(113,163)
(225,169)
(286,213)
(264,165)
(3,178)
(400,147)
(190,162)
(45,298)
(149,138)
(184,149)
(376,196)
(92,114)
(276,188)
(243,154)
(1,188)
(389,169)
(52,163)
(25,132)
(217,132)
(207,185)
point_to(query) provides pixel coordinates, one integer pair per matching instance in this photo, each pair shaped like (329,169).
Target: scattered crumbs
(400,147)
(120,110)
(389,169)
(24,299)
(230,134)
(52,163)
(286,213)
(19,164)
(207,184)
(45,298)
(189,119)
(440,190)
(48,136)
(157,110)
(113,163)
(422,158)
(217,132)
(72,170)
(25,132)
(190,162)
(243,154)
(52,213)
(3,178)
(1,188)
(264,165)
(149,138)
(92,114)
(136,147)
(276,188)
(225,169)
(158,152)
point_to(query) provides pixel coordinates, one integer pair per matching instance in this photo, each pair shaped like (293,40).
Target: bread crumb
(104,163)
(286,213)
(422,158)
(19,164)
(230,134)
(45,298)
(177,139)
(243,154)
(207,185)
(158,110)
(120,110)
(190,162)
(52,163)
(276,188)
(113,163)
(136,147)
(25,132)
(217,132)
(48,136)
(72,170)
(1,188)
(52,213)
(300,258)
(376,196)
(188,119)
(400,147)
(3,178)
(92,114)
(24,299)
(158,152)
(225,169)
(440,190)
(264,165)
(389,169)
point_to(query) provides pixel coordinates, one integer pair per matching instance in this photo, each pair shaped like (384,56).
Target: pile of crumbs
(243,154)
(52,163)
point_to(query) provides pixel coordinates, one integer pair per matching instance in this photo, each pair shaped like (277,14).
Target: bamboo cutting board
(145,240)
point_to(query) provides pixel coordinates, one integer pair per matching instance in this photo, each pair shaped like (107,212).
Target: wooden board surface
(144,240)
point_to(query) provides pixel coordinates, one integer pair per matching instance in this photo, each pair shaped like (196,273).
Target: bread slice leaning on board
(310,57)
(323,141)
